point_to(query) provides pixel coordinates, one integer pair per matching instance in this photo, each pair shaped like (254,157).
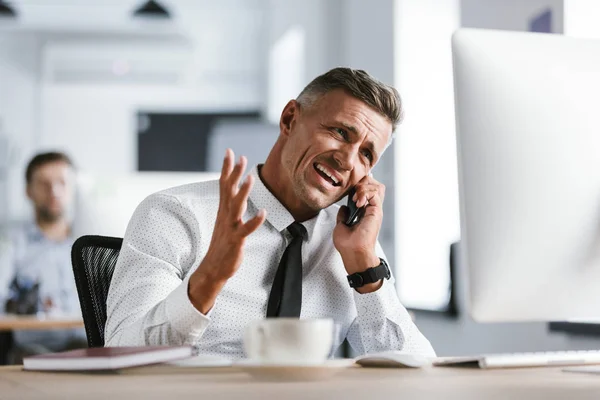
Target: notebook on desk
(105,358)
(523,360)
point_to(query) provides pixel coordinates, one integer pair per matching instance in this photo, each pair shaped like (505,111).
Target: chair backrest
(94,259)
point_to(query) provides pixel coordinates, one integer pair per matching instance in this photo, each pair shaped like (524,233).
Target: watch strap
(371,275)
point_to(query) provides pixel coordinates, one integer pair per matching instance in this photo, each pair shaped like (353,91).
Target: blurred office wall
(75,86)
(232,55)
(19,111)
(70,71)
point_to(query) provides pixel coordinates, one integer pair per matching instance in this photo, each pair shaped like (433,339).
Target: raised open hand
(225,252)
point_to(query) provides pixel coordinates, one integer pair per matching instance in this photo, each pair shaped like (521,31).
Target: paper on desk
(203,360)
(587,369)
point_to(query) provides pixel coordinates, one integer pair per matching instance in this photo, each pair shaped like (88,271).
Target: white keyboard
(521,360)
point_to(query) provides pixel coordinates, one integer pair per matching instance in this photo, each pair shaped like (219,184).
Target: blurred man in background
(35,264)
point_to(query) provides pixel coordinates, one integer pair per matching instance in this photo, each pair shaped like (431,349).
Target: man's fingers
(375,200)
(224,178)
(240,201)
(362,197)
(365,192)
(227,164)
(230,176)
(234,198)
(236,175)
(252,224)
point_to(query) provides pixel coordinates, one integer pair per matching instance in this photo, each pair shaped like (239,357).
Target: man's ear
(288,117)
(28,191)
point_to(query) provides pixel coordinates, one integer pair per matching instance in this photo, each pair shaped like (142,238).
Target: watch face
(355,280)
(388,273)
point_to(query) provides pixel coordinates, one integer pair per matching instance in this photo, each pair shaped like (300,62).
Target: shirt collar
(35,234)
(277,215)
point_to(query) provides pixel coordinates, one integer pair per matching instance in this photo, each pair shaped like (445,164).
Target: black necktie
(285,299)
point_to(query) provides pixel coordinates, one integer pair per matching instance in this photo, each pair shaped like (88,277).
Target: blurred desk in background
(11,322)
(32,322)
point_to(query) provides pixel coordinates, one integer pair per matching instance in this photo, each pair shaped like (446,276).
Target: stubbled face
(51,190)
(331,146)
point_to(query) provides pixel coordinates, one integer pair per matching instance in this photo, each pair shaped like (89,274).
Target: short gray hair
(358,83)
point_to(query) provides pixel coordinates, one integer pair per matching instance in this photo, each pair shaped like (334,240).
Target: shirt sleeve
(148,301)
(382,323)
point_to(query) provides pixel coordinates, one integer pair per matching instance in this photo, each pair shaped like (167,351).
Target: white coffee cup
(289,341)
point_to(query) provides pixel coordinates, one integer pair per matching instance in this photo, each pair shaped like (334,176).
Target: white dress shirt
(168,237)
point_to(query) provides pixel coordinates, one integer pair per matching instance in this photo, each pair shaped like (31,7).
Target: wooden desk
(353,383)
(18,322)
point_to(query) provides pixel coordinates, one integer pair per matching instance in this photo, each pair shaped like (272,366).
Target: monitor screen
(528,140)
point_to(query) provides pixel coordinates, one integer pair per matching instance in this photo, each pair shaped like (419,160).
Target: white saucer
(293,372)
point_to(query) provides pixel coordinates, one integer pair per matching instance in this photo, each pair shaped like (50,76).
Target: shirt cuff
(182,314)
(382,303)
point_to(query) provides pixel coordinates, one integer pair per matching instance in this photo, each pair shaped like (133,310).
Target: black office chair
(94,259)
(6,344)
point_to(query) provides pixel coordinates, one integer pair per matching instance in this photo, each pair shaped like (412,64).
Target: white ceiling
(115,16)
(33,6)
(37,8)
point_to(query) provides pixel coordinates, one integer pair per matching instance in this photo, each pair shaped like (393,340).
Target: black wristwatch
(371,275)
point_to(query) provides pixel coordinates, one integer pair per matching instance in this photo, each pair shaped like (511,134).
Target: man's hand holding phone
(356,243)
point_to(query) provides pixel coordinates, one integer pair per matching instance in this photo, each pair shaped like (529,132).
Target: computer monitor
(528,138)
(104,204)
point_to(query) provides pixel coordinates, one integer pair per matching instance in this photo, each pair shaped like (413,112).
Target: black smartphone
(354,213)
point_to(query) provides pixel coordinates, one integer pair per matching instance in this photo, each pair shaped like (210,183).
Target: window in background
(426,184)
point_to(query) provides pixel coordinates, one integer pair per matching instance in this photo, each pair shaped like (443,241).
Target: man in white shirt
(201,261)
